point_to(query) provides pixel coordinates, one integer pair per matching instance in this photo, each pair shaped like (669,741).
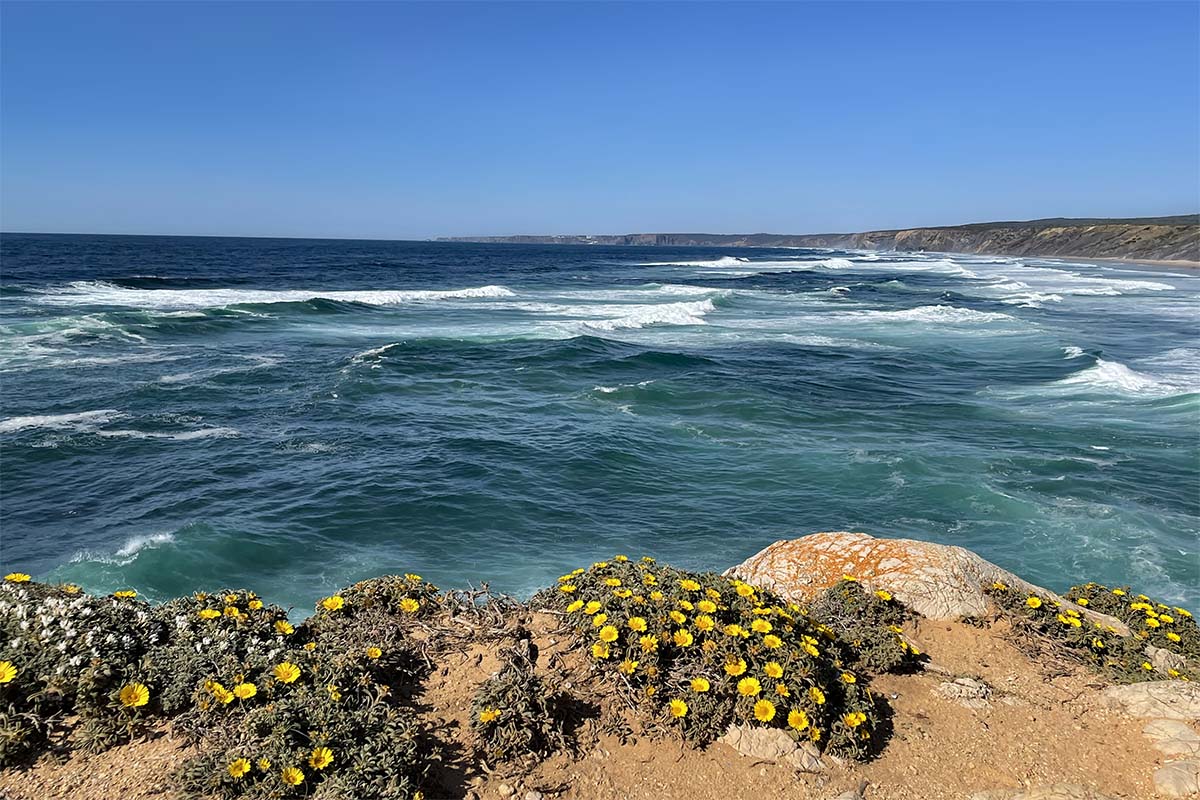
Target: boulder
(1157,699)
(772,744)
(937,581)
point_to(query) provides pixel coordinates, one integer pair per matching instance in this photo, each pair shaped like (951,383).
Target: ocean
(292,415)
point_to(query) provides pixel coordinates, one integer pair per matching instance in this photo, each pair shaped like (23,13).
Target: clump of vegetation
(328,718)
(63,652)
(868,624)
(1153,623)
(697,652)
(1045,622)
(514,713)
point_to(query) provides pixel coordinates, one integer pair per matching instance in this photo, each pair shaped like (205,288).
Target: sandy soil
(1043,724)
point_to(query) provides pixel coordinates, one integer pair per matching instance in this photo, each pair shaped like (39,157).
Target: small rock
(968,692)
(1157,699)
(534,795)
(505,790)
(1178,779)
(1163,660)
(772,744)
(1173,738)
(1059,791)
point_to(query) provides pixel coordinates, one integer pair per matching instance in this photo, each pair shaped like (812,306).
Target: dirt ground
(1043,724)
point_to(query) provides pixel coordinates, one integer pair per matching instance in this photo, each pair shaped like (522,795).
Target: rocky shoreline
(837,665)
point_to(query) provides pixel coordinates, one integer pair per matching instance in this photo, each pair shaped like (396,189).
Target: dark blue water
(294,415)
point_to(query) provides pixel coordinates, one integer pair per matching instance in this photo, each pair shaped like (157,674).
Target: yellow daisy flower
(329,604)
(292,776)
(749,687)
(700,685)
(320,758)
(678,708)
(8,671)
(683,638)
(797,719)
(237,768)
(134,695)
(410,605)
(489,714)
(17,577)
(764,711)
(287,672)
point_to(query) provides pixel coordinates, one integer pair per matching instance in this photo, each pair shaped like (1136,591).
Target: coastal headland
(837,666)
(1172,239)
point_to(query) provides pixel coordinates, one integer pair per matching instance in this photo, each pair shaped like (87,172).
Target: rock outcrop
(935,580)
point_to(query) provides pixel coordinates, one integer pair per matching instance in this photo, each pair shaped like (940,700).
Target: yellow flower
(797,719)
(374,652)
(1152,623)
(599,650)
(410,605)
(707,606)
(1083,601)
(223,695)
(883,595)
(683,638)
(773,669)
(637,624)
(71,588)
(329,604)
(686,605)
(575,606)
(748,687)
(764,711)
(237,768)
(735,630)
(782,690)
(17,577)
(599,620)
(1119,592)
(705,623)
(620,558)
(678,708)
(700,685)
(1174,637)
(209,613)
(678,617)
(292,776)
(687,584)
(1183,612)
(232,611)
(287,672)
(848,678)
(745,590)
(230,599)
(255,605)
(815,734)
(1034,602)
(712,594)
(134,695)
(624,594)
(649,644)
(999,585)
(264,764)
(489,714)
(321,758)
(244,691)
(817,696)
(125,594)
(567,588)
(628,667)
(854,718)
(735,668)
(1098,644)
(1166,618)
(591,608)
(612,581)
(849,578)
(657,596)
(284,627)
(8,671)
(609,633)
(414,578)
(760,626)
(772,642)
(1146,665)
(335,693)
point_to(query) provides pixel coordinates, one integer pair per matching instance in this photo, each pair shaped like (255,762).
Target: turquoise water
(292,415)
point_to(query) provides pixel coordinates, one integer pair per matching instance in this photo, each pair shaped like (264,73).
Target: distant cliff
(1149,238)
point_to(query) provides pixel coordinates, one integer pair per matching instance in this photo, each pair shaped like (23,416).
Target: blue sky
(410,120)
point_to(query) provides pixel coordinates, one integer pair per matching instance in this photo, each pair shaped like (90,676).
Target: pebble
(505,790)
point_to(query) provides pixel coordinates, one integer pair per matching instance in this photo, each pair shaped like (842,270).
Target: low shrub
(696,652)
(514,713)
(63,652)
(1041,619)
(868,627)
(1153,623)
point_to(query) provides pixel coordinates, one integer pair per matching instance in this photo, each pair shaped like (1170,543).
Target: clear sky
(409,120)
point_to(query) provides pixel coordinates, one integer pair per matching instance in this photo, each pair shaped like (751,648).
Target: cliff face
(1151,238)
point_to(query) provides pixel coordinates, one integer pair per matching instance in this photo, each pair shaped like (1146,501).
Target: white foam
(101,293)
(136,543)
(1114,376)
(691,313)
(1072,351)
(181,436)
(724,261)
(83,420)
(940,314)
